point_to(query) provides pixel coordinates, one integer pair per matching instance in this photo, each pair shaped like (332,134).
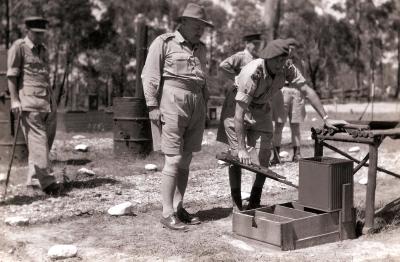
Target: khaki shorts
(183,115)
(293,106)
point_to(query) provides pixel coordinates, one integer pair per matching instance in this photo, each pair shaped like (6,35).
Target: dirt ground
(79,216)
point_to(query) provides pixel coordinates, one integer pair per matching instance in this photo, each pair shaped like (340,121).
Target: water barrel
(7,136)
(132,132)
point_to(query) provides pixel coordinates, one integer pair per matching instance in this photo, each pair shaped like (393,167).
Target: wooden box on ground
(292,226)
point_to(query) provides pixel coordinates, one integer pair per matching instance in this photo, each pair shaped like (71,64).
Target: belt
(191,86)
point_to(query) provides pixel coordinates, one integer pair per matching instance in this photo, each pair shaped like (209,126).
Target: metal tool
(12,155)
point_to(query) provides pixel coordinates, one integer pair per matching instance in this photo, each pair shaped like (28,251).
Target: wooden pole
(371,186)
(7,24)
(141,52)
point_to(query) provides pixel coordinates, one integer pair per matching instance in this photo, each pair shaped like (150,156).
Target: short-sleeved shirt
(171,57)
(236,62)
(29,63)
(256,86)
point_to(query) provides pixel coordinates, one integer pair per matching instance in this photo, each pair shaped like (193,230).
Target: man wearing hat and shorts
(174,83)
(290,103)
(256,84)
(32,98)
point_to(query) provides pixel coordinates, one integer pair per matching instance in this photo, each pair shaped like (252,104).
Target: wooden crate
(292,226)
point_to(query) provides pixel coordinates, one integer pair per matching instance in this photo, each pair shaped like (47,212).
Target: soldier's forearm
(13,88)
(239,125)
(315,102)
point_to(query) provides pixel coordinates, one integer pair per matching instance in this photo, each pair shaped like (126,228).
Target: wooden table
(371,137)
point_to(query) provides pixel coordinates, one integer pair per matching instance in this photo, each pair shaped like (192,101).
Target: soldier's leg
(277,140)
(235,180)
(169,183)
(295,127)
(182,180)
(34,129)
(51,127)
(263,146)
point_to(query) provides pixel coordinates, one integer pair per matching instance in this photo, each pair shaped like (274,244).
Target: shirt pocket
(181,64)
(35,91)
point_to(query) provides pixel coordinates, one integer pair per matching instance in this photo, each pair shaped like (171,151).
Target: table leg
(318,148)
(371,186)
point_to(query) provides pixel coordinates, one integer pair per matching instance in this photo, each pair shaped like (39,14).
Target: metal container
(7,135)
(132,132)
(321,181)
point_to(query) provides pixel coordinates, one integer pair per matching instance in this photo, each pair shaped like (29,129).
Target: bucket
(7,136)
(132,132)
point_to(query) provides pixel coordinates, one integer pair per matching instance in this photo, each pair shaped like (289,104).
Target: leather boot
(255,198)
(236,199)
(296,154)
(276,160)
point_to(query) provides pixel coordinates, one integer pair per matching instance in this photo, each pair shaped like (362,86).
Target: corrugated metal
(321,180)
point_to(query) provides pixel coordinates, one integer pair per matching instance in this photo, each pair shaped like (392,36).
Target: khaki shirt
(171,57)
(29,63)
(236,62)
(255,85)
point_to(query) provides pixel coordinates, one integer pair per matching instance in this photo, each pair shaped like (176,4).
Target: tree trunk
(272,13)
(398,62)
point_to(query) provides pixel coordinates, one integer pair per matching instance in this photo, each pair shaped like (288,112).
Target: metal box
(321,181)
(291,226)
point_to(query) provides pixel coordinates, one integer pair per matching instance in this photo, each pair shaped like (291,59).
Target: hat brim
(38,30)
(209,24)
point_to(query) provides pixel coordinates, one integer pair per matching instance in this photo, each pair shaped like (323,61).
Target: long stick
(12,155)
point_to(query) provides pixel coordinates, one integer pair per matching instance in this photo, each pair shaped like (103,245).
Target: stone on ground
(82,148)
(17,221)
(3,177)
(62,251)
(150,167)
(121,209)
(85,171)
(284,154)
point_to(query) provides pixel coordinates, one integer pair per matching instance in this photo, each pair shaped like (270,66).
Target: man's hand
(16,107)
(244,156)
(155,115)
(334,123)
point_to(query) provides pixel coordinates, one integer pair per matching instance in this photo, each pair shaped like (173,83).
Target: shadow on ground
(215,213)
(72,162)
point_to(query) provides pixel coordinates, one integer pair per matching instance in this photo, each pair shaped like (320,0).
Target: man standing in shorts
(174,83)
(290,103)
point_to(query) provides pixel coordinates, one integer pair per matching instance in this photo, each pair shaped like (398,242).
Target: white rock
(121,209)
(3,177)
(86,171)
(286,129)
(284,154)
(62,251)
(245,195)
(222,162)
(16,221)
(363,181)
(354,149)
(314,119)
(82,147)
(78,137)
(151,167)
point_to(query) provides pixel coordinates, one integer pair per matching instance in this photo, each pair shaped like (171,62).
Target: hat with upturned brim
(196,12)
(293,42)
(36,23)
(252,37)
(275,48)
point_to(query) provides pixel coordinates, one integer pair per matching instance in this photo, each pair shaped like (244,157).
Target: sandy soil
(79,216)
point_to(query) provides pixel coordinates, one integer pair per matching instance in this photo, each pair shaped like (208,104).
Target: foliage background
(92,42)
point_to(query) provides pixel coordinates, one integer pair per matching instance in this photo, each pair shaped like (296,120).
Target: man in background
(32,98)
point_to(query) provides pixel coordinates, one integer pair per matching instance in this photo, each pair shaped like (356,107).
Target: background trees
(92,42)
